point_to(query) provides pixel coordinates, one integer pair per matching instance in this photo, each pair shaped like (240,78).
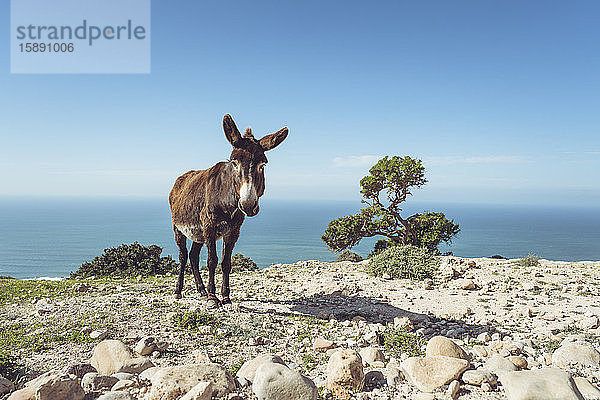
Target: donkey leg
(195,263)
(212,266)
(183,255)
(228,244)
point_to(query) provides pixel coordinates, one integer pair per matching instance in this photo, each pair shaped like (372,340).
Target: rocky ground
(483,329)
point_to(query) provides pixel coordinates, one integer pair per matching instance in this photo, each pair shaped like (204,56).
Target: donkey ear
(273,140)
(231,131)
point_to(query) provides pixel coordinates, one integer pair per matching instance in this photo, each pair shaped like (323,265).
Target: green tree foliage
(128,260)
(387,186)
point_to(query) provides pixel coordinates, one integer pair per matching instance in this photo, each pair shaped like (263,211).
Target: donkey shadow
(342,307)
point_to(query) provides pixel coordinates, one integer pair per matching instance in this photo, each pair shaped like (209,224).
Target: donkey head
(248,161)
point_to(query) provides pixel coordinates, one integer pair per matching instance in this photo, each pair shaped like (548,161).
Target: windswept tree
(387,186)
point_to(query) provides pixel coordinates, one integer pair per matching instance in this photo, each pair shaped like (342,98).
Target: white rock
(499,365)
(430,373)
(576,353)
(453,388)
(478,377)
(370,355)
(50,386)
(345,371)
(169,383)
(542,384)
(145,346)
(111,356)
(274,381)
(120,395)
(248,369)
(202,391)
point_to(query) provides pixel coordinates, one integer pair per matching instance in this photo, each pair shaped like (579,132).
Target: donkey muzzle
(248,200)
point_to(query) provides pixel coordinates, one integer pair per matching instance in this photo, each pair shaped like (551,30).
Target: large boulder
(248,369)
(540,384)
(430,373)
(274,381)
(112,356)
(202,391)
(169,383)
(442,346)
(345,371)
(580,353)
(50,386)
(119,395)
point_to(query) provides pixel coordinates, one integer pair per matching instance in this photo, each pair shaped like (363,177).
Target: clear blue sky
(501,100)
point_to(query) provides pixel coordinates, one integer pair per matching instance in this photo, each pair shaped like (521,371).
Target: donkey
(211,204)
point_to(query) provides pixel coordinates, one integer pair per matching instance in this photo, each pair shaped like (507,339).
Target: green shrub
(398,341)
(128,260)
(239,263)
(9,367)
(347,255)
(193,320)
(529,261)
(404,262)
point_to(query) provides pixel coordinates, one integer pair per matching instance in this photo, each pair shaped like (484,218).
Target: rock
(403,323)
(480,350)
(97,334)
(50,386)
(370,355)
(145,346)
(122,376)
(111,356)
(520,362)
(322,344)
(274,381)
(430,373)
(424,396)
(453,388)
(540,384)
(94,382)
(248,369)
(580,353)
(484,337)
(345,372)
(169,383)
(464,284)
(202,357)
(122,385)
(587,390)
(202,391)
(589,323)
(478,377)
(6,386)
(442,346)
(393,376)
(120,395)
(147,374)
(79,369)
(498,365)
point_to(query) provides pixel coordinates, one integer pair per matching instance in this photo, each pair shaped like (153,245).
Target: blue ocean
(50,237)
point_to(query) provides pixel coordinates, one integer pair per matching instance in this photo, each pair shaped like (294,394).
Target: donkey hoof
(177,295)
(225,301)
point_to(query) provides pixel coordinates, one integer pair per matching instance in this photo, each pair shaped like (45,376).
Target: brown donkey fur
(211,204)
